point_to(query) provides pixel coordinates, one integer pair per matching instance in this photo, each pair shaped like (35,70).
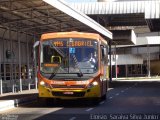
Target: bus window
(103,51)
(72,57)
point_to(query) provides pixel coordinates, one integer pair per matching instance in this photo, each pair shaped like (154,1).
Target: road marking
(117,94)
(122,91)
(157,103)
(101,103)
(72,118)
(89,109)
(110,97)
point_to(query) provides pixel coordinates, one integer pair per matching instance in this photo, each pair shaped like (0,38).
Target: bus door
(103,68)
(35,60)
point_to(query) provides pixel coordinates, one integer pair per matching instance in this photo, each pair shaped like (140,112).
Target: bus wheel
(103,97)
(50,101)
(96,101)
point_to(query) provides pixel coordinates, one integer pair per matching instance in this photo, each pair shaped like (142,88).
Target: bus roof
(73,34)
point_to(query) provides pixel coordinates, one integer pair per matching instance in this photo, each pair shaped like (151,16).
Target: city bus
(72,65)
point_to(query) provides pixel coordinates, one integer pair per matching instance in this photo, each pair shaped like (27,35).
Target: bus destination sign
(79,43)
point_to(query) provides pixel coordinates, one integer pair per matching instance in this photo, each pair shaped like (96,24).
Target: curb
(136,80)
(9,104)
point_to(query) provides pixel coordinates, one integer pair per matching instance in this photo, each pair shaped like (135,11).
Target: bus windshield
(69,56)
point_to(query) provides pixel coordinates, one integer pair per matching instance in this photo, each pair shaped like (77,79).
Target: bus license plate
(68,93)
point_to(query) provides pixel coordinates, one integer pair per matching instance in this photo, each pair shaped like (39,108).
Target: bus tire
(103,97)
(50,102)
(96,101)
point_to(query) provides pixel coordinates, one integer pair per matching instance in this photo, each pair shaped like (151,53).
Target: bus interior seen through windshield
(69,56)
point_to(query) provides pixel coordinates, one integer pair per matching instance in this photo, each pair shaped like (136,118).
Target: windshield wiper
(58,50)
(54,73)
(80,74)
(62,54)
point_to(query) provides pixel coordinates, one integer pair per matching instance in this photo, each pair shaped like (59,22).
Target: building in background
(136,34)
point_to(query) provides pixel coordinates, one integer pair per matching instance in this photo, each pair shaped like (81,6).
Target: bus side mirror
(35,57)
(35,50)
(103,51)
(36,44)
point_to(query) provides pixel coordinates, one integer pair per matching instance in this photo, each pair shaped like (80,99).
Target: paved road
(125,100)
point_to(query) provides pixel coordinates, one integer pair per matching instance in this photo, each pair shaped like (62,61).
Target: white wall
(127,59)
(133,37)
(142,50)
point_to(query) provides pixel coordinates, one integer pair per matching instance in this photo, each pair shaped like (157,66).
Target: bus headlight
(95,83)
(44,84)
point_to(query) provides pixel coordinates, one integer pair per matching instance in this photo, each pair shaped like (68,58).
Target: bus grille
(75,94)
(65,86)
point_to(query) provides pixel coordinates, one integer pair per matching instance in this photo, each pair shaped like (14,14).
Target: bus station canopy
(43,16)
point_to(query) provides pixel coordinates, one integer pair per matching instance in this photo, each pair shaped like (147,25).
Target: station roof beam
(38,17)
(124,15)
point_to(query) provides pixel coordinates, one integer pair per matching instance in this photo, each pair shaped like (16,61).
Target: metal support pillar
(148,60)
(3,58)
(1,86)
(131,71)
(4,65)
(35,63)
(110,62)
(19,60)
(11,61)
(28,74)
(115,62)
(141,70)
(3,49)
(126,70)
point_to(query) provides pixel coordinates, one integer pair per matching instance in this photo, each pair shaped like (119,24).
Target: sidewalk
(138,79)
(11,100)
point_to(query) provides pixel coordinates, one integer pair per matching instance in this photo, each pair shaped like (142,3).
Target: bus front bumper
(59,93)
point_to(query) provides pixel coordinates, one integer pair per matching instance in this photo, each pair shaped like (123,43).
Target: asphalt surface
(125,101)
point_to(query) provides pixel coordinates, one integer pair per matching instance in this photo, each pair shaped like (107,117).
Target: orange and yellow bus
(72,65)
